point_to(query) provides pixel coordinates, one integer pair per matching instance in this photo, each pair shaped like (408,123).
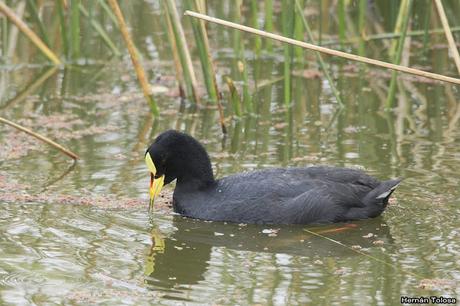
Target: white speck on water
(218,234)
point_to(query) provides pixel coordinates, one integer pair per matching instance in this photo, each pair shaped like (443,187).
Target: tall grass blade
(268,26)
(75,28)
(299,35)
(287,19)
(4,38)
(234,97)
(199,32)
(63,23)
(207,65)
(108,11)
(318,55)
(134,58)
(398,55)
(241,64)
(402,16)
(29,33)
(342,25)
(362,26)
(254,22)
(35,16)
(426,25)
(247,99)
(100,30)
(14,31)
(176,57)
(182,48)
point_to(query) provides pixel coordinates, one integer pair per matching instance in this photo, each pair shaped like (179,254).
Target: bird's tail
(381,193)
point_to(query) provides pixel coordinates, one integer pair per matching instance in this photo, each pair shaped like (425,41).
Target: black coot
(275,196)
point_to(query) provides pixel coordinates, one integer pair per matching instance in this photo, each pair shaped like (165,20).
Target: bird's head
(177,155)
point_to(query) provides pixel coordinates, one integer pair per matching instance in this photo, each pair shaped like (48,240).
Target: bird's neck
(195,175)
(195,179)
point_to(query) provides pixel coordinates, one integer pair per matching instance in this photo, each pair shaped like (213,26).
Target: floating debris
(438,284)
(272,232)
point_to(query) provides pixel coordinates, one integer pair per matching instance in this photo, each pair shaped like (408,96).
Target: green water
(80,234)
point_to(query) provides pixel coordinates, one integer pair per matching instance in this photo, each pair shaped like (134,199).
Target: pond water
(81,234)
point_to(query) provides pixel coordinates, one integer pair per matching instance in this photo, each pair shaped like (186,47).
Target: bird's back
(292,195)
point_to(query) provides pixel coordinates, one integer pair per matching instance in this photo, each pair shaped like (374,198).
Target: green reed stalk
(257,45)
(5,38)
(398,55)
(108,11)
(176,57)
(182,48)
(36,18)
(204,54)
(402,15)
(268,26)
(298,34)
(75,27)
(320,22)
(362,26)
(241,61)
(201,38)
(63,24)
(342,25)
(287,19)
(100,30)
(234,97)
(318,55)
(426,25)
(254,24)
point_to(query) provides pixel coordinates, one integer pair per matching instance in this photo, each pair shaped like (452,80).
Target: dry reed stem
(450,38)
(42,138)
(29,33)
(305,45)
(134,57)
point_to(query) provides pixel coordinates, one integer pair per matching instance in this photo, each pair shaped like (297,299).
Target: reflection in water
(180,260)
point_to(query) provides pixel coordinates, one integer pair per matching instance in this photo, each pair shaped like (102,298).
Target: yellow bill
(155,183)
(155,188)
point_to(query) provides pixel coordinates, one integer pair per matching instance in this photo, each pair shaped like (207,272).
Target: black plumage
(275,196)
